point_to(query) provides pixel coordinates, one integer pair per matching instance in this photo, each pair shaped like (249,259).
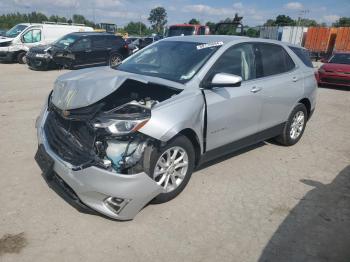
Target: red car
(335,71)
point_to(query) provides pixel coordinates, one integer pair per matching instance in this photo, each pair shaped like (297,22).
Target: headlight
(121,127)
(42,55)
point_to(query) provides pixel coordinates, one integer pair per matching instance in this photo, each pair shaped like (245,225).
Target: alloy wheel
(171,168)
(297,125)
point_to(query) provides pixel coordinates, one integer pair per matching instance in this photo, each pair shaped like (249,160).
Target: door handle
(255,89)
(294,78)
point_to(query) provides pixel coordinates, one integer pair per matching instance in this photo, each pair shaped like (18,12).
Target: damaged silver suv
(113,139)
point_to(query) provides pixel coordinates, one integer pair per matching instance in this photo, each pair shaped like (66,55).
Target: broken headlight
(120,127)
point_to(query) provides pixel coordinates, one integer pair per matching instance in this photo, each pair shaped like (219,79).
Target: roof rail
(61,23)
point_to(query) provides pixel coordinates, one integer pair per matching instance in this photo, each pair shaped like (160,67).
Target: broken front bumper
(94,186)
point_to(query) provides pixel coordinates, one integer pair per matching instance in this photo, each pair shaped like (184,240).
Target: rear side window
(303,54)
(99,42)
(115,41)
(274,60)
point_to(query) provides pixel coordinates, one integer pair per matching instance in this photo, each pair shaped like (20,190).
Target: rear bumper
(334,79)
(93,185)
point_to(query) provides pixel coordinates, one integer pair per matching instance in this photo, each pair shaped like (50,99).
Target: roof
(205,39)
(91,33)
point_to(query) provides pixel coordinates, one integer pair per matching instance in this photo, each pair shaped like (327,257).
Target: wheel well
(307,104)
(192,136)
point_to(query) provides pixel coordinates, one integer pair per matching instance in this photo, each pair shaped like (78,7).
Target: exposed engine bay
(104,134)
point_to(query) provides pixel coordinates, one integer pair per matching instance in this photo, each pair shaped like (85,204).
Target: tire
(21,58)
(294,129)
(180,176)
(115,59)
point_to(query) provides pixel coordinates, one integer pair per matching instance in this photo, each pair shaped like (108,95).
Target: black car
(84,49)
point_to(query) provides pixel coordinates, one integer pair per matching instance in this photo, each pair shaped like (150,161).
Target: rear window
(303,54)
(275,60)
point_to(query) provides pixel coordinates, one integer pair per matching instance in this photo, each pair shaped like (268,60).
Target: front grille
(73,141)
(336,80)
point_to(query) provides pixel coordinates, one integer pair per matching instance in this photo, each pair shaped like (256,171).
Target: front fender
(171,118)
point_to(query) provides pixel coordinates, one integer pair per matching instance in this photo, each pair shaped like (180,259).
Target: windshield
(173,60)
(15,31)
(66,41)
(340,59)
(181,30)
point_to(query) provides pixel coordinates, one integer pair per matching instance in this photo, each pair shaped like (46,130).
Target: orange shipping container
(321,39)
(342,42)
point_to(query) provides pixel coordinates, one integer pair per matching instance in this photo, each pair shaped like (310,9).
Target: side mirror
(225,80)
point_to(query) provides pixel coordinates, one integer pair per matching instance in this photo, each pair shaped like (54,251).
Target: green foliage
(9,20)
(194,21)
(137,29)
(229,29)
(211,26)
(252,32)
(307,22)
(281,20)
(158,18)
(343,21)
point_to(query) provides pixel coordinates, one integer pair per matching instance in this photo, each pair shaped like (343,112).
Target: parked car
(115,138)
(40,58)
(19,39)
(335,71)
(187,29)
(78,50)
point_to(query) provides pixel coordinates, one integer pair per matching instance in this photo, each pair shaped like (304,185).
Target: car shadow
(230,155)
(342,88)
(317,228)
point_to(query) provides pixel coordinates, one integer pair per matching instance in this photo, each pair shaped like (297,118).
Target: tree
(194,21)
(307,22)
(284,20)
(281,20)
(343,21)
(252,32)
(158,18)
(211,26)
(136,28)
(80,19)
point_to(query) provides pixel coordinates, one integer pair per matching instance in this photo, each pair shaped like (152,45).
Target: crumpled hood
(85,87)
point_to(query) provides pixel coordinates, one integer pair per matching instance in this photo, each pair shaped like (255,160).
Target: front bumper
(337,79)
(94,185)
(7,56)
(40,63)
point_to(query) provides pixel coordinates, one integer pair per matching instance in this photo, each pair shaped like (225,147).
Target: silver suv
(113,139)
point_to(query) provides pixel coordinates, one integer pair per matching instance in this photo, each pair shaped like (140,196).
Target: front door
(233,112)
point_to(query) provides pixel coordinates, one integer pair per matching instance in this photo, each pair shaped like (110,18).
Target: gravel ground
(264,203)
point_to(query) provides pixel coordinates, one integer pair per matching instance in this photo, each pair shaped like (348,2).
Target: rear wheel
(115,59)
(295,126)
(171,167)
(21,58)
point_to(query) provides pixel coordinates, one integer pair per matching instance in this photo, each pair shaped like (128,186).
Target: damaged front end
(105,134)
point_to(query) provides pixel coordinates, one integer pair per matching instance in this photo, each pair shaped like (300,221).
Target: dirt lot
(266,203)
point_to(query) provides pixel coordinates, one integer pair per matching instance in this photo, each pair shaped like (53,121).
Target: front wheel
(21,58)
(171,167)
(294,127)
(115,59)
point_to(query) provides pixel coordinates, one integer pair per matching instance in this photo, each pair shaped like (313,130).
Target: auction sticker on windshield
(199,47)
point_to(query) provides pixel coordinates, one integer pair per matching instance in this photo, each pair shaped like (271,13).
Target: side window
(274,59)
(99,42)
(303,54)
(238,60)
(82,44)
(32,36)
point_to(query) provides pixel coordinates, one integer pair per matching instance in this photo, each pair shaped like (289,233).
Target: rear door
(281,84)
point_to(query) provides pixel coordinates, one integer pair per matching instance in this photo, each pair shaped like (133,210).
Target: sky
(121,12)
